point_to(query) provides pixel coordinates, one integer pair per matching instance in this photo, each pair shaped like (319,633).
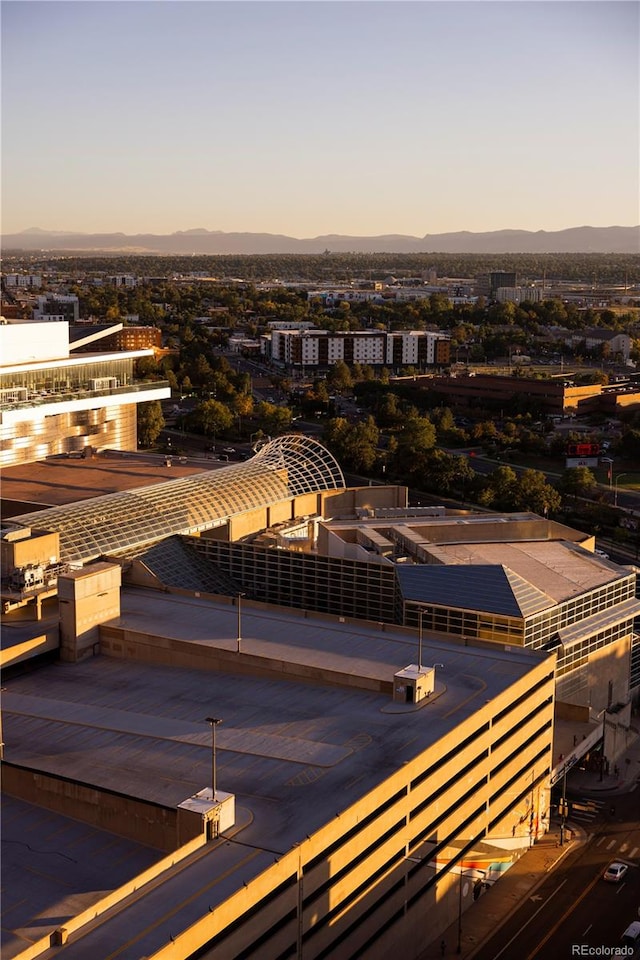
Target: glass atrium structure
(285,467)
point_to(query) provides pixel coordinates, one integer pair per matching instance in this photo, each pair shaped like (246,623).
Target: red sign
(583,449)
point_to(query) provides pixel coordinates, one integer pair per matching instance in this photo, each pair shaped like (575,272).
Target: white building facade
(320,348)
(55,402)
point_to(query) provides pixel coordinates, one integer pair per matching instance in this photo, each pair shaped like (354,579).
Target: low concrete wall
(46,642)
(126,644)
(147,823)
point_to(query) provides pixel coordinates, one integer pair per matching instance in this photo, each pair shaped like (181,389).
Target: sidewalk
(481,920)
(623,776)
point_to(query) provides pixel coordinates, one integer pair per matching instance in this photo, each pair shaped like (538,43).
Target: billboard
(583,449)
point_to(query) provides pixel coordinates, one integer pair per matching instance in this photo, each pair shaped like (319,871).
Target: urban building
(556,396)
(514,579)
(374,795)
(488,284)
(56,400)
(369,777)
(520,295)
(55,307)
(279,529)
(22,280)
(127,338)
(611,343)
(320,348)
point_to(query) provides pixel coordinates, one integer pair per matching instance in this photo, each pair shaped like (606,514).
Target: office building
(55,400)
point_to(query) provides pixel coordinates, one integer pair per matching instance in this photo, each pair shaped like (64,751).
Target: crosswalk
(585,809)
(621,851)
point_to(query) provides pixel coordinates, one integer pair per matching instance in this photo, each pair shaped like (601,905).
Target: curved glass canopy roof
(283,468)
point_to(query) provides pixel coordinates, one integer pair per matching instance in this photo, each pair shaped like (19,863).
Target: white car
(615,872)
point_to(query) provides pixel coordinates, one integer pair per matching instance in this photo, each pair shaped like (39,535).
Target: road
(575,906)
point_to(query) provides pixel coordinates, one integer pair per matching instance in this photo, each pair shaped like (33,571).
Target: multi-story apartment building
(613,343)
(22,280)
(52,307)
(134,337)
(320,348)
(54,400)
(520,294)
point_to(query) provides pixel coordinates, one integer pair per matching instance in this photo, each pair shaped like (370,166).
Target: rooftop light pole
(213,721)
(239,638)
(420,612)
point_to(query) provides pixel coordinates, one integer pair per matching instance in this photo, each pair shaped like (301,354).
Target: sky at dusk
(305,118)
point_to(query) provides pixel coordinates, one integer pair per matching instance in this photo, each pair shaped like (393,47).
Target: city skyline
(309,118)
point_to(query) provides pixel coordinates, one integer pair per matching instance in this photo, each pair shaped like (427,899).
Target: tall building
(55,401)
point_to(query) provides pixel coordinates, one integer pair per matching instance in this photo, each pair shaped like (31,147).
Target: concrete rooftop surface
(294,754)
(59,480)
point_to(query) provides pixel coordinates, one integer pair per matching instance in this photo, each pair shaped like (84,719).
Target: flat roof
(141,729)
(60,480)
(294,754)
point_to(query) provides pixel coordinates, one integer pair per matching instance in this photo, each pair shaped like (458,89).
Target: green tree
(502,488)
(532,492)
(150,422)
(630,444)
(213,417)
(339,377)
(577,482)
(446,473)
(415,442)
(355,445)
(272,418)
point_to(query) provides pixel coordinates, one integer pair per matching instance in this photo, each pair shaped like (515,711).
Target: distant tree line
(594,268)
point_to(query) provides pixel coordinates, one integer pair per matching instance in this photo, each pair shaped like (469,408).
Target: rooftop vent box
(414,683)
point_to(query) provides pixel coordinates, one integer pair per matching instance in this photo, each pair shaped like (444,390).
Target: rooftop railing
(44,397)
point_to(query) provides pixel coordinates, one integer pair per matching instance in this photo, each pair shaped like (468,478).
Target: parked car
(615,872)
(229,449)
(631,938)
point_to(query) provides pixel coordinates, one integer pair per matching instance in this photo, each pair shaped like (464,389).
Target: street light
(463,872)
(603,714)
(563,804)
(239,639)
(608,460)
(615,487)
(213,721)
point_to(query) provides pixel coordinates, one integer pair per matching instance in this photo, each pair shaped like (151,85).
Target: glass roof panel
(283,468)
